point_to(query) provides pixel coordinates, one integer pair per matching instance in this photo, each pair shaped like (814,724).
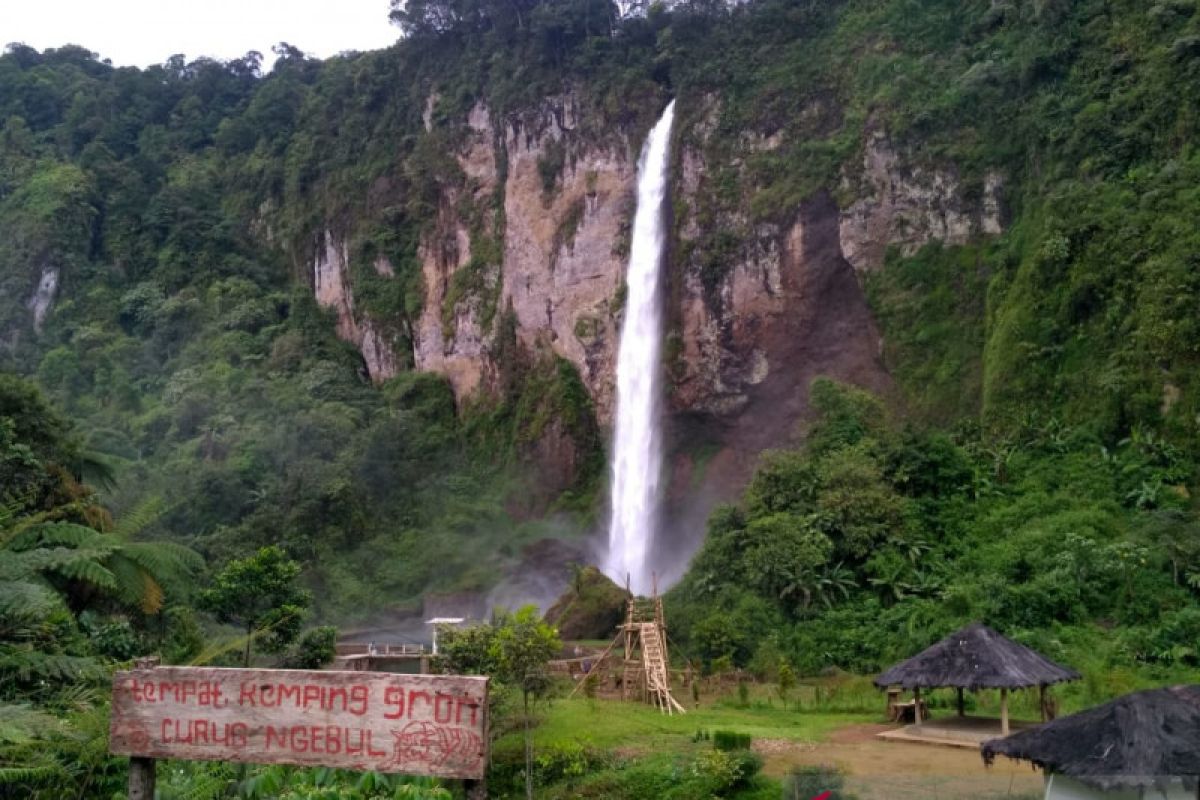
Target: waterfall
(637,445)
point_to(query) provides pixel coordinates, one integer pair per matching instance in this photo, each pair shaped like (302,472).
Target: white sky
(145,32)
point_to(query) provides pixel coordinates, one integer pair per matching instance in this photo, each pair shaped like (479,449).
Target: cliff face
(743,345)
(566,202)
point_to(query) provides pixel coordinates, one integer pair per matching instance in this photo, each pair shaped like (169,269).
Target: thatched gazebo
(1143,740)
(975,658)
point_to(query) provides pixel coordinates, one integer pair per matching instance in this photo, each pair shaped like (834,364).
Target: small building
(974,658)
(1143,746)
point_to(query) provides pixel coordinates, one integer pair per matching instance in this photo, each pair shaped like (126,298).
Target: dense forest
(176,408)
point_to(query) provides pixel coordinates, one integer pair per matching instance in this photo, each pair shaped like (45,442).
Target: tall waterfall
(637,448)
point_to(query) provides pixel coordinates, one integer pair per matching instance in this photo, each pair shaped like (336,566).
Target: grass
(634,750)
(641,728)
(637,751)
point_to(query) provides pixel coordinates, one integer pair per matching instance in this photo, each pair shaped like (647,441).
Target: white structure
(1063,787)
(437,622)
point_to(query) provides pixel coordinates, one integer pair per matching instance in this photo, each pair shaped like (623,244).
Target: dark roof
(1131,741)
(976,657)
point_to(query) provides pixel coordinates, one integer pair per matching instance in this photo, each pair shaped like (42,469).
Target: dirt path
(879,770)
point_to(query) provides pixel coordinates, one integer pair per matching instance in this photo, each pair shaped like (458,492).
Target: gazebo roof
(976,657)
(1135,740)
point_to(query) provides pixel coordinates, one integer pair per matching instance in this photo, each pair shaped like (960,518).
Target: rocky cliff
(751,326)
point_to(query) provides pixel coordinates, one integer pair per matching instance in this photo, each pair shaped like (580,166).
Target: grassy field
(605,748)
(633,727)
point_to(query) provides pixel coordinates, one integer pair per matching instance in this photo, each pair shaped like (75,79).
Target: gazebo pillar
(961,708)
(1042,702)
(917,705)
(1004,712)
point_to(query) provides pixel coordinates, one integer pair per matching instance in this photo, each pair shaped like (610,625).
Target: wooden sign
(415,724)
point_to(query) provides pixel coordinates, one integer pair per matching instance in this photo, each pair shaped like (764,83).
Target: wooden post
(961,709)
(917,705)
(1004,712)
(1042,702)
(143,772)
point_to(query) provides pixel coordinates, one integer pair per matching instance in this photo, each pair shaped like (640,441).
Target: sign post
(415,724)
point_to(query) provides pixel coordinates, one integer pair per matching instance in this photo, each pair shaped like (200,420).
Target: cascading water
(637,448)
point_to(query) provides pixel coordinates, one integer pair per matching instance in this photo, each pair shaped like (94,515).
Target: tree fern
(23,602)
(135,573)
(51,534)
(20,724)
(25,664)
(133,522)
(136,587)
(24,776)
(165,560)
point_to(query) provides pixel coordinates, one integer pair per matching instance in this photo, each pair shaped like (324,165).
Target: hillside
(367,308)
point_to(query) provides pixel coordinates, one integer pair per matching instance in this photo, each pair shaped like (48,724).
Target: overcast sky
(144,32)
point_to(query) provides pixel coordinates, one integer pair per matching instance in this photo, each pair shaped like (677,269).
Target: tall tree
(514,650)
(261,594)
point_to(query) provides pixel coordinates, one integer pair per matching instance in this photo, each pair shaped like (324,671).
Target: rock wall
(563,261)
(562,268)
(742,349)
(332,288)
(905,205)
(458,350)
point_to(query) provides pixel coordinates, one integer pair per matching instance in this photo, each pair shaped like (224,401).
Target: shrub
(807,782)
(730,740)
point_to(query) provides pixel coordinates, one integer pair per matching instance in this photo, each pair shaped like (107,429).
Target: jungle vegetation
(185,404)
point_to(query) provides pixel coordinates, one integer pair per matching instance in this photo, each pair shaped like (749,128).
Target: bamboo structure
(645,674)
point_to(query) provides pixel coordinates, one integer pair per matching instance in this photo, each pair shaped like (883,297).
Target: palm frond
(20,724)
(84,566)
(12,776)
(79,697)
(136,586)
(97,469)
(164,560)
(75,564)
(26,664)
(53,534)
(24,601)
(143,516)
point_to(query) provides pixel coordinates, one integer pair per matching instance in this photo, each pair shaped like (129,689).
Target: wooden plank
(414,724)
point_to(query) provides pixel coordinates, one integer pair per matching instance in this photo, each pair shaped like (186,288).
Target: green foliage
(514,650)
(260,593)
(787,681)
(76,595)
(1049,531)
(807,782)
(724,770)
(731,740)
(316,649)
(176,207)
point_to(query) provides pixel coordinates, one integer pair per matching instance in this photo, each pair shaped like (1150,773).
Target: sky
(144,32)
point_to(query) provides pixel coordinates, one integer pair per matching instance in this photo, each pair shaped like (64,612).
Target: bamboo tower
(645,674)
